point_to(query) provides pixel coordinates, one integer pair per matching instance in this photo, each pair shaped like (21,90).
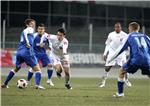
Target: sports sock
(9,77)
(37,77)
(49,73)
(30,74)
(67,79)
(120,85)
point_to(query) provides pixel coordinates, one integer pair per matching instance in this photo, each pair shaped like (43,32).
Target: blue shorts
(44,59)
(30,60)
(132,68)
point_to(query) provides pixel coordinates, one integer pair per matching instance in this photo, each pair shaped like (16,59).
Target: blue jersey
(40,52)
(25,54)
(139,49)
(36,46)
(26,37)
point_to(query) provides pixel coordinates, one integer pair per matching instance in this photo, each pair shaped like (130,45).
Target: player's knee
(49,66)
(122,73)
(36,68)
(17,69)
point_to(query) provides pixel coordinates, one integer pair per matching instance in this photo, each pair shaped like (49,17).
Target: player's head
(41,29)
(30,23)
(134,27)
(117,27)
(61,33)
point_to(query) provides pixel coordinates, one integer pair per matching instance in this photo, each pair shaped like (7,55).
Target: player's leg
(30,74)
(12,72)
(127,82)
(48,62)
(50,73)
(120,83)
(120,62)
(58,68)
(105,76)
(32,62)
(67,77)
(66,66)
(127,67)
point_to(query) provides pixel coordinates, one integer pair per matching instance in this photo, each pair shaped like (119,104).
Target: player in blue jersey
(25,53)
(41,55)
(139,45)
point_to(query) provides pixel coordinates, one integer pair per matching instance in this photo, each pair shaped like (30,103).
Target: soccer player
(139,45)
(59,46)
(113,41)
(25,53)
(41,55)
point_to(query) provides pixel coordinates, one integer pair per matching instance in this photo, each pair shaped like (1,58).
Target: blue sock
(37,78)
(9,77)
(30,74)
(120,87)
(49,73)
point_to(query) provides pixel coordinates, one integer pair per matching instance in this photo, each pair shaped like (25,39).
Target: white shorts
(120,60)
(64,61)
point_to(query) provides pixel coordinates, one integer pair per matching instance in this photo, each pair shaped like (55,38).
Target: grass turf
(85,92)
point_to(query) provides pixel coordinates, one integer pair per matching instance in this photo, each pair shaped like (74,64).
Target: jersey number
(141,42)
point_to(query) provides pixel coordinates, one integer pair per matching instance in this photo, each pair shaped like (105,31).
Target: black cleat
(68,86)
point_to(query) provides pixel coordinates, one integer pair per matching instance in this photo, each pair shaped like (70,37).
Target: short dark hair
(134,25)
(41,25)
(27,21)
(118,23)
(62,30)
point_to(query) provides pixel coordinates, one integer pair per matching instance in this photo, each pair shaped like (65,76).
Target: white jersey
(113,41)
(58,48)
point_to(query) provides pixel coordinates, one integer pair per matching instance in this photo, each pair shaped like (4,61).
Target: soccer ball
(22,83)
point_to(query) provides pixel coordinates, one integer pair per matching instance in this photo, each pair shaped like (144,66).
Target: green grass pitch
(85,92)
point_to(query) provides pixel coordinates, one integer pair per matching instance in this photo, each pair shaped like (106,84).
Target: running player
(41,54)
(25,53)
(59,46)
(139,45)
(113,41)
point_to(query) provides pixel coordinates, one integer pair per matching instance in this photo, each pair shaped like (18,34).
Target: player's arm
(43,38)
(107,43)
(121,48)
(26,32)
(65,47)
(148,41)
(46,37)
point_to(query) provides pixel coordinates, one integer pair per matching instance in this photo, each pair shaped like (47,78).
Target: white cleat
(117,95)
(39,87)
(128,83)
(102,85)
(49,82)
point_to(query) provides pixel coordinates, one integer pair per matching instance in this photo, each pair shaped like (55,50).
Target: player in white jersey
(60,57)
(113,41)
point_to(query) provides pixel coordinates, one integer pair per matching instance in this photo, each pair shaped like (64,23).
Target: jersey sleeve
(26,32)
(121,48)
(107,43)
(44,37)
(65,47)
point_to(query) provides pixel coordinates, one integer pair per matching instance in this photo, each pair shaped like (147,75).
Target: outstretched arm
(121,48)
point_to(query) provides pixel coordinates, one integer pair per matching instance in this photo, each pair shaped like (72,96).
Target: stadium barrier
(8,58)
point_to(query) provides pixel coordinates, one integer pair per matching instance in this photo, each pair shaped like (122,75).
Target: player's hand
(104,57)
(28,45)
(42,45)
